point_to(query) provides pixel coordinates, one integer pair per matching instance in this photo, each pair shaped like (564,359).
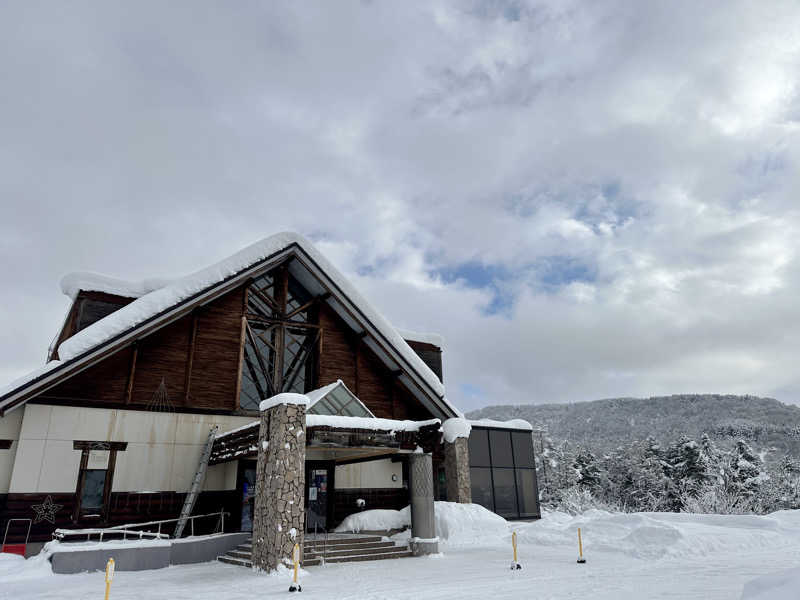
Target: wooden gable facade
(195,363)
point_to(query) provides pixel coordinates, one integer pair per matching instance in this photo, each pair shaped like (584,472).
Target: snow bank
(375,520)
(660,535)
(777,586)
(457,524)
(72,283)
(469,524)
(15,568)
(455,428)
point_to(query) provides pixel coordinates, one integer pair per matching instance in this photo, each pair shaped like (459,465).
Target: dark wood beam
(131,374)
(190,359)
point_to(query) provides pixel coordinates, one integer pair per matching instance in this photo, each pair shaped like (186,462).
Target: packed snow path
(629,556)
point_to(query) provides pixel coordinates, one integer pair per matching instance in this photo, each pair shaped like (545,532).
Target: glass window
(505,492)
(523,449)
(481,480)
(339,401)
(94,482)
(479,448)
(500,443)
(527,493)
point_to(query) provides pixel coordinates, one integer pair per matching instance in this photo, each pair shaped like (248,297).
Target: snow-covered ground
(640,555)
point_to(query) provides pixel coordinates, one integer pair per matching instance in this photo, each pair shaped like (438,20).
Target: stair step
(356,552)
(239,554)
(335,541)
(363,557)
(312,548)
(241,562)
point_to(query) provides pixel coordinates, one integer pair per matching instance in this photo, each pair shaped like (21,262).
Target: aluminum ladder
(197,483)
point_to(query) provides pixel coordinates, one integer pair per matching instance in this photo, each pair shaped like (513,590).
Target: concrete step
(331,553)
(246,555)
(404,553)
(310,548)
(241,562)
(335,541)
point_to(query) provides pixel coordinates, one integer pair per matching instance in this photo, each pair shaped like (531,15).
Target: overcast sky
(585,199)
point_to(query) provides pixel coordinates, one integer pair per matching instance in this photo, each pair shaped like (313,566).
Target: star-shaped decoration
(46,511)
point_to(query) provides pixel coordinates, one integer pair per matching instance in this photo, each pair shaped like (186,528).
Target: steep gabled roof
(161,306)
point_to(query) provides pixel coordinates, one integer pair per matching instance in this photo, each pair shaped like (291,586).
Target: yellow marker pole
(515,565)
(295,587)
(109,575)
(581,560)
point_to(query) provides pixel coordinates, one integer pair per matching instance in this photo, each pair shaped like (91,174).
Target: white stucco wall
(10,426)
(371,474)
(162,454)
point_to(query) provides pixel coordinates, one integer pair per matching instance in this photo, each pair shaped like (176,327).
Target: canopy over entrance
(339,428)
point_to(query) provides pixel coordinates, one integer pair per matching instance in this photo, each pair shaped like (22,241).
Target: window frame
(86,447)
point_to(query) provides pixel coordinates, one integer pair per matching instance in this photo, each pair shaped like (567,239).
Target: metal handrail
(27,535)
(60,534)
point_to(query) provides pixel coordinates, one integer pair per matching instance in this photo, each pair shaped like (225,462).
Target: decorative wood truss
(281,339)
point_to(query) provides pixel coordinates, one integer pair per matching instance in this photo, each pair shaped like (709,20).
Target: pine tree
(746,475)
(587,473)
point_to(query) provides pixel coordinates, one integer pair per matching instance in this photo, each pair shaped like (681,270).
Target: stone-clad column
(423,521)
(456,460)
(280,481)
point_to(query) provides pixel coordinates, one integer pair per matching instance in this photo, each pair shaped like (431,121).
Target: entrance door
(247,492)
(319,480)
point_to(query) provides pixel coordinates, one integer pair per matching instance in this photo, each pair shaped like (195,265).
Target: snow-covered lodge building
(113,428)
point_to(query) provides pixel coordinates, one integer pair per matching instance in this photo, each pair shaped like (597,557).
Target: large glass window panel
(523,449)
(481,480)
(527,493)
(500,443)
(94,482)
(505,492)
(479,448)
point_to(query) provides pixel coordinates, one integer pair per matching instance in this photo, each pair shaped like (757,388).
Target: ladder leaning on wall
(197,483)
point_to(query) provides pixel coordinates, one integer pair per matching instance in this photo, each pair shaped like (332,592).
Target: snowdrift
(455,523)
(657,535)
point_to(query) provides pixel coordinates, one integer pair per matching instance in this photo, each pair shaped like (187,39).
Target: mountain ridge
(601,425)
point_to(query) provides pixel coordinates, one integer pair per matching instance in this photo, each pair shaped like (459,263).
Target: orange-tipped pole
(581,560)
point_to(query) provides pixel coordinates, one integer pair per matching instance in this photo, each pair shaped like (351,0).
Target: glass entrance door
(247,491)
(317,490)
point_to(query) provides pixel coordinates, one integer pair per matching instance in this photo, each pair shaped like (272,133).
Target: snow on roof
(426,338)
(72,283)
(151,304)
(371,423)
(38,372)
(315,396)
(512,424)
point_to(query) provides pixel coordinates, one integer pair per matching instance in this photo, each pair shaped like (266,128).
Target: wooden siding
(164,356)
(345,357)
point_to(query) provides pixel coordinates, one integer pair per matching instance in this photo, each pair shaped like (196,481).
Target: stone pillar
(456,460)
(280,481)
(423,521)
